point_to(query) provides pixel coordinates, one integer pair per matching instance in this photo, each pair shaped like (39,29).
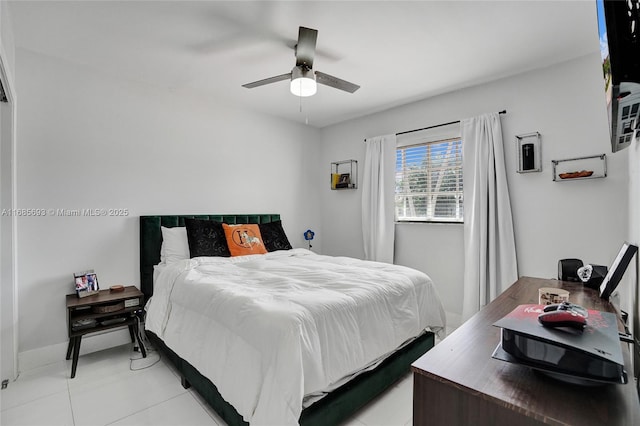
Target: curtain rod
(504,111)
(438,125)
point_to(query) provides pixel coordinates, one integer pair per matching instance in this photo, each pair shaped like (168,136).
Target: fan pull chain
(306,117)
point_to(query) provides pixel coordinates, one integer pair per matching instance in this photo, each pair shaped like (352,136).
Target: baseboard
(39,357)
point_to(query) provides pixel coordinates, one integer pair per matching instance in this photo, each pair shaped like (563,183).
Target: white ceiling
(396,51)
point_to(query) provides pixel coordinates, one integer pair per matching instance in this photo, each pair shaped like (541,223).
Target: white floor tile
(131,393)
(171,367)
(183,410)
(101,368)
(35,384)
(106,392)
(207,408)
(50,410)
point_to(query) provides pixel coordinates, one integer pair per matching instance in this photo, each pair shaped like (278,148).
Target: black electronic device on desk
(617,270)
(574,270)
(576,345)
(598,276)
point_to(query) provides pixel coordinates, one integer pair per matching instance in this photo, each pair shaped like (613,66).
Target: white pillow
(175,246)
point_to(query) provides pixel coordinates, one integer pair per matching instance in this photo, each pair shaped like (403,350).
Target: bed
(212,354)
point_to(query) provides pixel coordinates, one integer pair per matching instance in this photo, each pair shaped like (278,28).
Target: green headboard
(151,238)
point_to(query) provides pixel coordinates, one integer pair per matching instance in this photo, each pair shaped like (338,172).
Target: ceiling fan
(303,77)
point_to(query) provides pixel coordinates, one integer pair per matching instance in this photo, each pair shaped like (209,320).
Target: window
(429,182)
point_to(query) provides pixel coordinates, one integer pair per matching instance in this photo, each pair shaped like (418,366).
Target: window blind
(429,181)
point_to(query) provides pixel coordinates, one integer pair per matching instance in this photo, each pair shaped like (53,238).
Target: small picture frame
(617,270)
(86,283)
(344,181)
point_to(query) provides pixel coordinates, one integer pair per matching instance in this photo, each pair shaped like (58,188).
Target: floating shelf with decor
(344,174)
(590,167)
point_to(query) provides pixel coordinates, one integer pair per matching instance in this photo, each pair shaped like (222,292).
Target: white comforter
(269,329)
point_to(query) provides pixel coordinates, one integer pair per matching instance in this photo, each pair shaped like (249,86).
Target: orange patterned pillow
(244,239)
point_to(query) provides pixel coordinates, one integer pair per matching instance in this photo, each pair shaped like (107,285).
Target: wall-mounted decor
(589,167)
(528,152)
(344,174)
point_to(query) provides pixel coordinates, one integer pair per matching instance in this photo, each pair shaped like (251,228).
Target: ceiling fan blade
(269,80)
(306,47)
(338,83)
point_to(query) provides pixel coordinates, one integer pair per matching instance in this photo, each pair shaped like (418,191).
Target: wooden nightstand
(96,313)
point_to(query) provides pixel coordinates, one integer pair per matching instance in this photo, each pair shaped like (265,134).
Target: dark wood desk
(458,383)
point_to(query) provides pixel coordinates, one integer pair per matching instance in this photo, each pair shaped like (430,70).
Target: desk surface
(460,374)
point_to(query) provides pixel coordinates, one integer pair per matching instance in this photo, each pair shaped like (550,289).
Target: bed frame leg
(185,383)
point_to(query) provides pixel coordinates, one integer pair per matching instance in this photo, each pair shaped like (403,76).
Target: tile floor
(117,387)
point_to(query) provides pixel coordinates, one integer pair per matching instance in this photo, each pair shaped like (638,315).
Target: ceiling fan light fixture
(303,82)
(303,79)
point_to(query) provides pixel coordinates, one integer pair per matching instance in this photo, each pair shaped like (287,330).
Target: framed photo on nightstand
(86,283)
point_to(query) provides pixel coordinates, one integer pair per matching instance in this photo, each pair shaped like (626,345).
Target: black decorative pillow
(206,238)
(273,236)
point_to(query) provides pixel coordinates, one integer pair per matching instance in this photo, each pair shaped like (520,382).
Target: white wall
(8,308)
(585,219)
(89,141)
(7,43)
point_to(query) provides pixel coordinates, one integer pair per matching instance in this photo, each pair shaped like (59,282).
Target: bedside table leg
(132,333)
(70,347)
(143,350)
(76,352)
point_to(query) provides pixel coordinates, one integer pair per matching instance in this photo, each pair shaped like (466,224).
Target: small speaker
(568,269)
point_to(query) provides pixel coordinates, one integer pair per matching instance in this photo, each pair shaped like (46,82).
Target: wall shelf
(344,174)
(528,149)
(579,168)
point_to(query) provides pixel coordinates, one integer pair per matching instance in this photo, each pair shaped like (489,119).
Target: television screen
(619,32)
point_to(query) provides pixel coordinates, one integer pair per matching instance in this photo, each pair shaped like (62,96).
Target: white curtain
(378,198)
(490,252)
